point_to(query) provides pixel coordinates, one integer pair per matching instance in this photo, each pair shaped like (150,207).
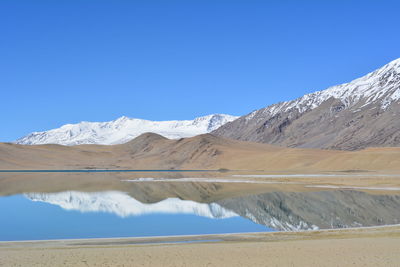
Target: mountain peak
(148,137)
(381,85)
(122,118)
(395,62)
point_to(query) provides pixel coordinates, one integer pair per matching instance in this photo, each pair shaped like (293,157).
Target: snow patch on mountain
(123,130)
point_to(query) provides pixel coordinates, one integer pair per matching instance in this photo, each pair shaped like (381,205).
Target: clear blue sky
(68,61)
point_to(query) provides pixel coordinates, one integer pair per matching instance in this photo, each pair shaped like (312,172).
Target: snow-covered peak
(212,122)
(123,205)
(382,86)
(123,130)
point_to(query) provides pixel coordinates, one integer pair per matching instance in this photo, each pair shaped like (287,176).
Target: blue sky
(68,61)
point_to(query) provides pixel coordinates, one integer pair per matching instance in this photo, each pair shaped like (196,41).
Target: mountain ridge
(349,116)
(123,129)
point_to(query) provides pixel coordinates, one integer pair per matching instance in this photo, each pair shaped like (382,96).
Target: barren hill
(152,151)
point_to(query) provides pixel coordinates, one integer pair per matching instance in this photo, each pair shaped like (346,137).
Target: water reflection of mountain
(123,205)
(278,210)
(324,209)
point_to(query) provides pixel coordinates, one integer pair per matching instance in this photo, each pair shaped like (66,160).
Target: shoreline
(224,237)
(365,246)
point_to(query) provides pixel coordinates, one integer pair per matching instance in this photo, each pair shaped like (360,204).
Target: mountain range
(123,130)
(355,115)
(351,116)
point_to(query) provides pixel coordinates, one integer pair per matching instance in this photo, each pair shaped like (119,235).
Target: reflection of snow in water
(123,205)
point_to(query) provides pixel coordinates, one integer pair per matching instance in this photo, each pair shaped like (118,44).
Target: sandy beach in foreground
(375,246)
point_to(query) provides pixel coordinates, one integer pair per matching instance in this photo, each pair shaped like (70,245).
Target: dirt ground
(379,246)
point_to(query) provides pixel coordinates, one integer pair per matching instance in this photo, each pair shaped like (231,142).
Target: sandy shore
(377,246)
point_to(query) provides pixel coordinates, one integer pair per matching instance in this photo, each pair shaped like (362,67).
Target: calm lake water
(89,205)
(69,215)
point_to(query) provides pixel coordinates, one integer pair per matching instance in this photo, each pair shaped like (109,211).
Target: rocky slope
(123,130)
(350,116)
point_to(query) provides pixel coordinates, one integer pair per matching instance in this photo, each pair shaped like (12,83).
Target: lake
(37,206)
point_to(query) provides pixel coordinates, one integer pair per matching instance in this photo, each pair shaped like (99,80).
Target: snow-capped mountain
(123,205)
(364,112)
(123,130)
(381,86)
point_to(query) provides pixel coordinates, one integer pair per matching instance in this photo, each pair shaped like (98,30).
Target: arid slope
(152,151)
